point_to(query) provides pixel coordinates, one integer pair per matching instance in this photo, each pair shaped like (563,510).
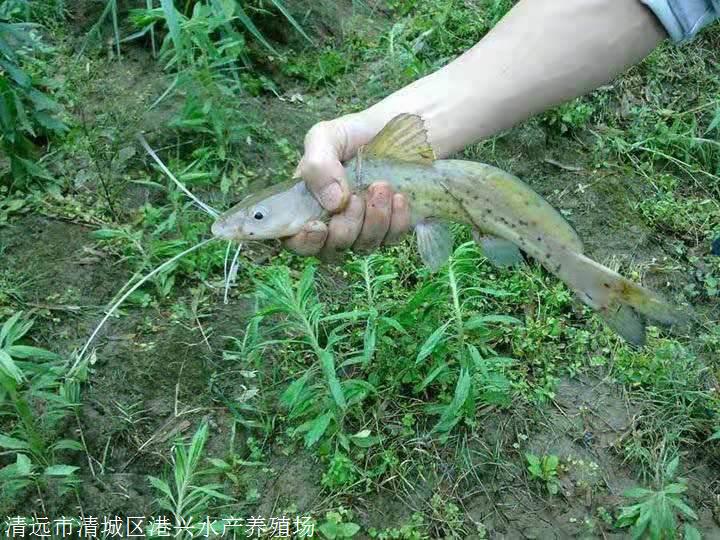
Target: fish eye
(258,213)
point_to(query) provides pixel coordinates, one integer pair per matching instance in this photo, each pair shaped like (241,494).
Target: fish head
(275,212)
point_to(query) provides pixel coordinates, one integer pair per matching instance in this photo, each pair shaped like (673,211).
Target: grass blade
(250,26)
(282,9)
(173,21)
(116,28)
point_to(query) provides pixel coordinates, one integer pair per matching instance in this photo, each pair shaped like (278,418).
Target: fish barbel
(505,214)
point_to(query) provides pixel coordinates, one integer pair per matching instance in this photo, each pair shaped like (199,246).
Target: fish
(507,218)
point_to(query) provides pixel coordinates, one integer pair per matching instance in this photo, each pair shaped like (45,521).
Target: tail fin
(623,304)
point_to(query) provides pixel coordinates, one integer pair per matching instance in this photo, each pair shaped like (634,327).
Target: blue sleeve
(683,19)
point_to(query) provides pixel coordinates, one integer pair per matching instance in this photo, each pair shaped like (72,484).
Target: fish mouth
(219,230)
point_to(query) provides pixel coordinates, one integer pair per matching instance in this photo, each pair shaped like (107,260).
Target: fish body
(505,214)
(482,196)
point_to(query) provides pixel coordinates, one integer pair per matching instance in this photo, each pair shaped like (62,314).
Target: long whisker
(233,272)
(207,208)
(132,290)
(225,262)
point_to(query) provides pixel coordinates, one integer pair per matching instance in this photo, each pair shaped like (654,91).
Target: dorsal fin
(403,138)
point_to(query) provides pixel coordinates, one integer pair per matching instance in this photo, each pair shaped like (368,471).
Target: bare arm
(542,53)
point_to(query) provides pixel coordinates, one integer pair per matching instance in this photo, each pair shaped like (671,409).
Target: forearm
(542,53)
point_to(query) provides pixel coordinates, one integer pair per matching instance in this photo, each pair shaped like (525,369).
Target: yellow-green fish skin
(495,200)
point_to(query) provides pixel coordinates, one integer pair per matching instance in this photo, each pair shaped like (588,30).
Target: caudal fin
(623,304)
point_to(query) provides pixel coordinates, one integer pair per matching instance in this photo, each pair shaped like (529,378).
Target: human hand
(363,225)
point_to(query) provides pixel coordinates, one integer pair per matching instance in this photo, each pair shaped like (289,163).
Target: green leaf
(451,414)
(49,122)
(293,392)
(172,20)
(161,486)
(637,493)
(327,360)
(317,429)
(17,74)
(672,467)
(364,439)
(431,343)
(220,464)
(675,488)
(67,444)
(715,436)
(329,529)
(691,533)
(10,368)
(13,444)
(483,320)
(442,366)
(281,7)
(7,329)
(348,530)
(207,490)
(684,508)
(60,470)
(23,465)
(250,26)
(106,234)
(551,463)
(25,351)
(715,121)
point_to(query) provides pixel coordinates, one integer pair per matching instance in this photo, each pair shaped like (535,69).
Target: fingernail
(314,227)
(380,197)
(331,196)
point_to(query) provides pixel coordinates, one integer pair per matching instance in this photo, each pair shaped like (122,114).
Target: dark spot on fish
(252,234)
(606,285)
(557,268)
(548,255)
(539,238)
(476,197)
(488,211)
(523,223)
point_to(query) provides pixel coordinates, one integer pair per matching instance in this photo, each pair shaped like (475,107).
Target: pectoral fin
(498,251)
(435,243)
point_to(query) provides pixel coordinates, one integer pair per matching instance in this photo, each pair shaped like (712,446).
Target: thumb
(321,168)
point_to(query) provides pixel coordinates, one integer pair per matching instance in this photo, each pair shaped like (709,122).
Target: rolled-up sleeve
(683,19)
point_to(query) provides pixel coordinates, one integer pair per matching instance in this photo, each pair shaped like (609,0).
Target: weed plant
(27,113)
(39,396)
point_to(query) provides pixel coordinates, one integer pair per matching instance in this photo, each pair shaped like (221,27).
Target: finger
(377,217)
(309,241)
(344,228)
(321,169)
(399,220)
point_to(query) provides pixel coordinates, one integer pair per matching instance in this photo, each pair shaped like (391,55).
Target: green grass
(372,396)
